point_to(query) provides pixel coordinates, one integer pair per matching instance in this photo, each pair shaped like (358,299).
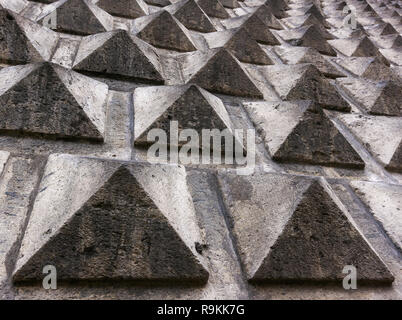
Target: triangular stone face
(308,83)
(379,98)
(193,17)
(309,36)
(232,4)
(213,8)
(396,161)
(47,106)
(167,32)
(307,20)
(316,140)
(118,234)
(124,8)
(297,55)
(246,49)
(15,46)
(81,17)
(278,7)
(193,108)
(317,242)
(119,54)
(365,67)
(224,74)
(358,47)
(259,30)
(388,29)
(266,14)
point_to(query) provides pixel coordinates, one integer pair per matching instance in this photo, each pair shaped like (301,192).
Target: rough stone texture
(119,233)
(124,8)
(241,44)
(155,107)
(22,41)
(164,31)
(302,132)
(189,13)
(79,17)
(42,99)
(71,164)
(305,81)
(117,53)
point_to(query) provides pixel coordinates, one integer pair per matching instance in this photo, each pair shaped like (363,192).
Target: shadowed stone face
(317,242)
(316,140)
(14,44)
(118,234)
(41,103)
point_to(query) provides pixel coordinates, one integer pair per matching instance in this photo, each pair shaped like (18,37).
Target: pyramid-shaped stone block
(373,132)
(23,41)
(278,7)
(280,209)
(396,161)
(164,31)
(302,133)
(266,14)
(223,73)
(213,8)
(80,17)
(379,98)
(307,20)
(117,53)
(303,82)
(358,47)
(124,8)
(240,43)
(308,36)
(55,102)
(365,67)
(120,232)
(189,13)
(317,242)
(257,29)
(192,108)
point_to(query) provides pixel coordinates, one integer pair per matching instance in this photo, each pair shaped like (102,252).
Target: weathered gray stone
(374,133)
(23,41)
(117,53)
(358,47)
(224,73)
(115,231)
(379,98)
(256,28)
(189,105)
(293,229)
(47,99)
(124,8)
(298,55)
(396,161)
(308,36)
(384,201)
(165,31)
(79,17)
(365,67)
(317,242)
(304,81)
(213,8)
(301,132)
(266,14)
(189,13)
(240,43)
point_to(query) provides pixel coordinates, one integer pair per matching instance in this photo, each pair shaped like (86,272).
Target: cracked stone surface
(83,83)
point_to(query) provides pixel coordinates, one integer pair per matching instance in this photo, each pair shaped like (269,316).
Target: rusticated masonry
(103,103)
